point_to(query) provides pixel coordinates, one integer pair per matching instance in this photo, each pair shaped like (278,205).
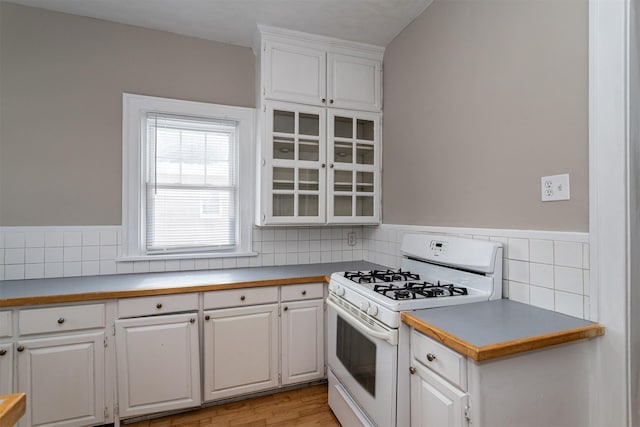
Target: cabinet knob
(431,357)
(285,308)
(61,320)
(412,370)
(331,101)
(304,292)
(21,348)
(192,320)
(331,165)
(323,166)
(324,100)
(242,298)
(207,317)
(159,306)
(3,352)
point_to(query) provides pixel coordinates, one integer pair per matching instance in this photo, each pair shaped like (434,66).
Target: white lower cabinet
(6,368)
(240,350)
(64,379)
(158,363)
(302,341)
(434,401)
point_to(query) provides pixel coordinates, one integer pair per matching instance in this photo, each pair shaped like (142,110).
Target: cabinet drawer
(161,304)
(61,319)
(6,325)
(240,297)
(445,362)
(302,292)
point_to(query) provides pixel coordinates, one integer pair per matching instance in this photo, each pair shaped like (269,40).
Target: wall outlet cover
(555,188)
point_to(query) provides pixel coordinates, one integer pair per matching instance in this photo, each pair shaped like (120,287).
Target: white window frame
(134,111)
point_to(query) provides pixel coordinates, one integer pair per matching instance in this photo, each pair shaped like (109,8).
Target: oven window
(358,355)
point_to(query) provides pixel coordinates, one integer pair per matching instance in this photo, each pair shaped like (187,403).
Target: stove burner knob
(339,291)
(364,305)
(372,311)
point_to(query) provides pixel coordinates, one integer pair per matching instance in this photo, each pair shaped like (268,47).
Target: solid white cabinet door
(295,73)
(302,341)
(354,82)
(240,350)
(63,378)
(6,368)
(157,363)
(435,402)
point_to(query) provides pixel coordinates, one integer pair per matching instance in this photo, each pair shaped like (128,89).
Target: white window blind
(191,184)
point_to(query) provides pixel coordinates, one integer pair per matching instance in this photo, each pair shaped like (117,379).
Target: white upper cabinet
(323,71)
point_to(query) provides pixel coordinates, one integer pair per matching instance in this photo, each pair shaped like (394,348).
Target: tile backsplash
(545,269)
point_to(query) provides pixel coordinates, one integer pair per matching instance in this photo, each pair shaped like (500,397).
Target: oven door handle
(390,336)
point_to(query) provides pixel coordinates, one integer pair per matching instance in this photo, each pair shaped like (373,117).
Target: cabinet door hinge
(467,413)
(116,409)
(264,92)
(264,162)
(106,413)
(325,371)
(113,329)
(279,311)
(105,341)
(264,108)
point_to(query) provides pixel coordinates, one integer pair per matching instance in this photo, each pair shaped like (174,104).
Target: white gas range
(364,310)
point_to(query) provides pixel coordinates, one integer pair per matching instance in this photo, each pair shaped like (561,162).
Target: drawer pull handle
(286,308)
(324,100)
(207,317)
(304,292)
(159,306)
(412,370)
(192,320)
(242,298)
(3,352)
(431,357)
(21,348)
(61,320)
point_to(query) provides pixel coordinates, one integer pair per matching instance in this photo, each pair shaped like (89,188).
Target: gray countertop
(486,330)
(41,290)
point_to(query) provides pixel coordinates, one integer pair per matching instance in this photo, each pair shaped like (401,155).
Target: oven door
(363,356)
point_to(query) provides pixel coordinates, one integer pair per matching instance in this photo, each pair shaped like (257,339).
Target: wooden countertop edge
(13,407)
(506,348)
(50,299)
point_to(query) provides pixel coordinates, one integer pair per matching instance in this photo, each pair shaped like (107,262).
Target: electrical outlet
(351,239)
(554,188)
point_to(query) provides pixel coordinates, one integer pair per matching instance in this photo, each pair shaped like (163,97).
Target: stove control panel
(438,247)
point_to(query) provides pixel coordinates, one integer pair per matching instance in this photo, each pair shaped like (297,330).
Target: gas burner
(380,276)
(419,290)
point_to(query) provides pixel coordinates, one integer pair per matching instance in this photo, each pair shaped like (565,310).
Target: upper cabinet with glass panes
(318,130)
(323,71)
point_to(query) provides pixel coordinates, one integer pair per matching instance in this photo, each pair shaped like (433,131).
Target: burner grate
(380,276)
(419,290)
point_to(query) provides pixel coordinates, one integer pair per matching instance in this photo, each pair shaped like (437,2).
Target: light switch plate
(554,188)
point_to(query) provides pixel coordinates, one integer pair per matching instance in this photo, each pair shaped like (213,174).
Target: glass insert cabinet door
(295,162)
(353,158)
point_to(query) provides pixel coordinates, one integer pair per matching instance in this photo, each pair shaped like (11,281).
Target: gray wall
(62,81)
(481,99)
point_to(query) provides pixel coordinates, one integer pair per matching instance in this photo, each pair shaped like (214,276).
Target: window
(187,178)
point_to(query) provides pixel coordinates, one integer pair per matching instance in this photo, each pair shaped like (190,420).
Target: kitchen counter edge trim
(502,349)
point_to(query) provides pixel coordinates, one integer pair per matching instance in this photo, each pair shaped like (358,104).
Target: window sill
(195,255)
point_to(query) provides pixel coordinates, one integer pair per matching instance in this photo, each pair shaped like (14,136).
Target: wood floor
(302,407)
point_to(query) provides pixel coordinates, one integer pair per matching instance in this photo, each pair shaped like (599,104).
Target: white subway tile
(72,238)
(53,255)
(90,238)
(34,271)
(172,265)
(585,255)
(280,234)
(141,267)
(255,261)
(325,233)
(108,267)
(303,258)
(304,246)
(108,238)
(216,263)
(108,252)
(542,297)
(14,272)
(336,245)
(34,239)
(541,274)
(570,304)
(325,245)
(336,256)
(315,234)
(586,307)
(90,268)
(242,262)
(519,292)
(541,251)
(124,267)
(187,264)
(292,246)
(586,282)
(568,279)
(53,239)
(72,253)
(280,258)
(336,233)
(292,258)
(53,269)
(229,262)
(156,266)
(268,235)
(256,234)
(72,269)
(34,255)
(325,256)
(268,247)
(1,240)
(90,253)
(202,264)
(303,233)
(280,246)
(518,271)
(292,234)
(14,239)
(268,260)
(568,254)
(519,249)
(14,256)
(315,257)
